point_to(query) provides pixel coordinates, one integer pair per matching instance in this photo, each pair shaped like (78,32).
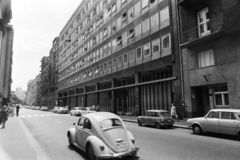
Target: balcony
(204,32)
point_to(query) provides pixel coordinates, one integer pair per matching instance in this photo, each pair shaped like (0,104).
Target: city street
(49,130)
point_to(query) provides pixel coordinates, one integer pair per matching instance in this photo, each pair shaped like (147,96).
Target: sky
(36,23)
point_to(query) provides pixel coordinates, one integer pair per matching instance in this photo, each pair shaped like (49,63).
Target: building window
(109,64)
(138,30)
(154,20)
(155,45)
(124,17)
(105,66)
(166,42)
(130,13)
(137,8)
(131,56)
(145,25)
(124,1)
(119,41)
(119,22)
(114,62)
(113,8)
(105,32)
(146,49)
(206,58)
(164,14)
(119,62)
(221,95)
(125,58)
(139,52)
(203,22)
(144,3)
(130,34)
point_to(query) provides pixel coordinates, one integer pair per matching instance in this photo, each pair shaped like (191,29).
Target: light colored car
(37,108)
(87,110)
(226,121)
(55,109)
(44,108)
(157,118)
(62,110)
(102,135)
(76,111)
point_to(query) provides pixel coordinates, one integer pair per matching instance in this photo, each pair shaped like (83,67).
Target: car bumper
(119,155)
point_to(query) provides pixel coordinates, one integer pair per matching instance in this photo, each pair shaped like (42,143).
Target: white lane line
(58,121)
(22,116)
(36,115)
(42,115)
(29,115)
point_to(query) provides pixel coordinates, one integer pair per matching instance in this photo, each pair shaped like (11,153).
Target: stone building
(122,55)
(33,95)
(6,51)
(210,34)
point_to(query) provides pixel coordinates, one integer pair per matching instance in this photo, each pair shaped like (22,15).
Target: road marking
(29,115)
(36,115)
(23,116)
(58,121)
(42,115)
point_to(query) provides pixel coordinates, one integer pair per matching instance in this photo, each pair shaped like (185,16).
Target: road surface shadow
(221,136)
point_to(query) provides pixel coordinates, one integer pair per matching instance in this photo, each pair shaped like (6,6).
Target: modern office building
(211,54)
(6,51)
(122,55)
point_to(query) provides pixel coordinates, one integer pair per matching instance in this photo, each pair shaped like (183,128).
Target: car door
(79,130)
(86,131)
(228,123)
(211,122)
(154,117)
(146,118)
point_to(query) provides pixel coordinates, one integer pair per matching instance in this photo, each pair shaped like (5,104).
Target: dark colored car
(157,118)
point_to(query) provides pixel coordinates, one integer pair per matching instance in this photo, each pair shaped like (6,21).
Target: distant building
(33,95)
(6,51)
(20,93)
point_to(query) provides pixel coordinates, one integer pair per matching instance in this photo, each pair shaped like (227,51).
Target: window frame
(163,37)
(125,54)
(149,48)
(137,52)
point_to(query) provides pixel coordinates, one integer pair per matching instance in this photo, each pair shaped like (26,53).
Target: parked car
(226,121)
(44,108)
(157,118)
(55,109)
(62,110)
(87,110)
(102,135)
(37,108)
(76,111)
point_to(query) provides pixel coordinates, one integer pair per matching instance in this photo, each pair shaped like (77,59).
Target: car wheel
(70,140)
(158,125)
(197,129)
(139,123)
(90,153)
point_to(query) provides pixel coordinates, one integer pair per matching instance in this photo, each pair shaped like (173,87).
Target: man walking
(17,110)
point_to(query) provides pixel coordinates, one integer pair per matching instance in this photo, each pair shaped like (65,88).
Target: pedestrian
(17,110)
(69,108)
(174,112)
(3,115)
(97,108)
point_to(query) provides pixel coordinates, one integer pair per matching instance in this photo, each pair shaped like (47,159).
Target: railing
(194,33)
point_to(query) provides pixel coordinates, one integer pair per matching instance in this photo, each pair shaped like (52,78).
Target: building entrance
(202,101)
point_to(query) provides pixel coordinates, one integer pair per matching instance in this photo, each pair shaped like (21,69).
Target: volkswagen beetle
(102,135)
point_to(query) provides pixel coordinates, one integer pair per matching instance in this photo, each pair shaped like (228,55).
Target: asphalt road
(50,131)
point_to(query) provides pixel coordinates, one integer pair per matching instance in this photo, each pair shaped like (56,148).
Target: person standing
(17,110)
(174,112)
(3,115)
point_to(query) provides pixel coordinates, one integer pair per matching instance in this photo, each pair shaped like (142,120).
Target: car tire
(70,140)
(90,153)
(197,129)
(139,123)
(157,125)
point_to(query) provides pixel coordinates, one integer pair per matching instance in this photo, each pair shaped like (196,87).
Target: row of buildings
(135,55)
(6,51)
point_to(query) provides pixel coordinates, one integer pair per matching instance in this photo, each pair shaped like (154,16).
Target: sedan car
(226,121)
(44,108)
(55,109)
(76,111)
(62,110)
(87,110)
(102,135)
(157,118)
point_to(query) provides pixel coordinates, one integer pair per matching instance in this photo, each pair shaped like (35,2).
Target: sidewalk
(178,124)
(16,143)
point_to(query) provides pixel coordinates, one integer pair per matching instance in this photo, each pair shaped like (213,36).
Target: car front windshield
(164,114)
(110,123)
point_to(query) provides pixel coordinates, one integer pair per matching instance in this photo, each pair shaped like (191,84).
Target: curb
(175,125)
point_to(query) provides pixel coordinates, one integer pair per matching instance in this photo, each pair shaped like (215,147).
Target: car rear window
(164,114)
(110,123)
